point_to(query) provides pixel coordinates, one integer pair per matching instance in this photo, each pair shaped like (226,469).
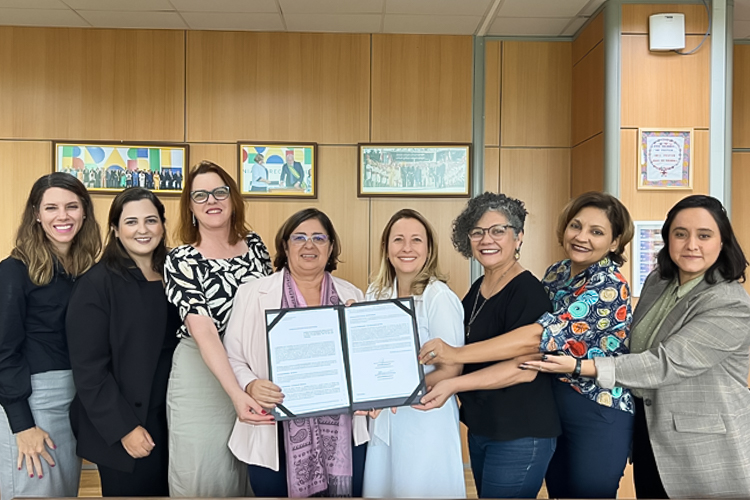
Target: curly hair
(511,208)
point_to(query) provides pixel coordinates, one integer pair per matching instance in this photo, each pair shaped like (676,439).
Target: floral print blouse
(591,318)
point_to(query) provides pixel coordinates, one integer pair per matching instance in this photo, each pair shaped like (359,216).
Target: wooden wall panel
(635,17)
(592,35)
(541,179)
(492,65)
(664,90)
(587,166)
(277,86)
(21,163)
(741,96)
(440,213)
(421,88)
(536,94)
(492,169)
(654,205)
(62,83)
(588,96)
(337,197)
(741,202)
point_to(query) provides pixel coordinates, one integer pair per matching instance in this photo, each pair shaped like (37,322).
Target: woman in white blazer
(307,250)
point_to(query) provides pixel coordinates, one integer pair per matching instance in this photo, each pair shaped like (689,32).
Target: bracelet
(577,370)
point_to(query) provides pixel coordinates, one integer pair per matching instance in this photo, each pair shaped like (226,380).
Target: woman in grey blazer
(689,361)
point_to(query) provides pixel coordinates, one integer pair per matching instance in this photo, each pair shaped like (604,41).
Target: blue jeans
(509,469)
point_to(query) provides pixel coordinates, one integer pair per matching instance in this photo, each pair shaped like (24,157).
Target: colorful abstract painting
(113,167)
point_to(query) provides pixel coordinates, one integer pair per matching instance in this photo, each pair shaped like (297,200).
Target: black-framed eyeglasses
(201,195)
(496,232)
(301,238)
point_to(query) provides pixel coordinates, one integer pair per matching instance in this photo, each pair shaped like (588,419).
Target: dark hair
(115,256)
(731,263)
(281,260)
(617,214)
(511,208)
(33,247)
(188,232)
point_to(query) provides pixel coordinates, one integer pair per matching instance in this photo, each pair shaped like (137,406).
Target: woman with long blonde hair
(57,241)
(415,454)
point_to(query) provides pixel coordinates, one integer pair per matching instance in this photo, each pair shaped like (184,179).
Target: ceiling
(548,18)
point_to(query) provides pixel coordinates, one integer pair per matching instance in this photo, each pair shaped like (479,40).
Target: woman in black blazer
(121,336)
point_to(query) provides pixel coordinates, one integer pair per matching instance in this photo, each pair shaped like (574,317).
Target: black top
(523,410)
(121,332)
(32,335)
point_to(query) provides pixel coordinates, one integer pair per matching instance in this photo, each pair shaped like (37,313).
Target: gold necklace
(474,311)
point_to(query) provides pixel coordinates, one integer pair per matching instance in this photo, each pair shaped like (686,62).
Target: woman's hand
(32,443)
(437,396)
(551,364)
(436,351)
(265,392)
(249,411)
(138,443)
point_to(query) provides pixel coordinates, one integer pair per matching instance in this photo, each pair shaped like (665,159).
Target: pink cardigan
(245,342)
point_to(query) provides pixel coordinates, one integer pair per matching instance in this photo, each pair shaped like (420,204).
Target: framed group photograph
(647,242)
(275,169)
(429,170)
(109,167)
(665,158)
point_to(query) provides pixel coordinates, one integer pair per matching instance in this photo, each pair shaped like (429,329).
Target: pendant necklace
(474,311)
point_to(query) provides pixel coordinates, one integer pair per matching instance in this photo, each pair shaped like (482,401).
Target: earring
(39,221)
(517,255)
(195,221)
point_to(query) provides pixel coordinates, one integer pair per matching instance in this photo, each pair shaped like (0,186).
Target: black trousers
(645,472)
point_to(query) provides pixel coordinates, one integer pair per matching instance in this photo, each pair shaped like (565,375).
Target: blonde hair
(384,280)
(34,248)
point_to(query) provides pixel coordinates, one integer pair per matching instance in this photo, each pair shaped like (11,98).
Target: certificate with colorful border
(665,158)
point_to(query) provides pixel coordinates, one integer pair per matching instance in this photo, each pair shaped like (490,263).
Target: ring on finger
(432,354)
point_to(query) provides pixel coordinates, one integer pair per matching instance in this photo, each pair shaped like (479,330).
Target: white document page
(307,361)
(382,352)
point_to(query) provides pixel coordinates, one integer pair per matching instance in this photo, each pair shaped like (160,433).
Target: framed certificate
(336,359)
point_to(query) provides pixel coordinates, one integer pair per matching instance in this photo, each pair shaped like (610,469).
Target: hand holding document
(336,359)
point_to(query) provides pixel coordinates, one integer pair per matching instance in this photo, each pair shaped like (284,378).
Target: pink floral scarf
(318,449)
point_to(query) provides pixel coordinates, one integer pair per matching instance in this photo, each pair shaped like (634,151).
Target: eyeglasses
(301,238)
(496,232)
(201,195)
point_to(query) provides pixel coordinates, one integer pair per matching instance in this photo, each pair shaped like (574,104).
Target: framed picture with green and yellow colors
(110,167)
(278,169)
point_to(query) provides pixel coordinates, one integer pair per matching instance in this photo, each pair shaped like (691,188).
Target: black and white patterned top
(197,285)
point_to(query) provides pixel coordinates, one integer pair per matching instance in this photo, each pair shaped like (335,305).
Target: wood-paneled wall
(662,90)
(587,128)
(527,136)
(741,148)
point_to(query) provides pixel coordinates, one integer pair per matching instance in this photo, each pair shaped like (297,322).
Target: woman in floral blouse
(591,318)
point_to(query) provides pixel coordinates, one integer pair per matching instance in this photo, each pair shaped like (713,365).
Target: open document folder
(336,359)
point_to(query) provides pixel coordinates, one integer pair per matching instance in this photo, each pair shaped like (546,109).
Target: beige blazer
(245,342)
(694,385)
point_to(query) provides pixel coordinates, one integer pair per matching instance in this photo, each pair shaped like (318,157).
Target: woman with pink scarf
(321,456)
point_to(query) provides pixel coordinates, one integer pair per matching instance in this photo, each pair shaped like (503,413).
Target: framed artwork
(278,169)
(429,170)
(109,167)
(647,242)
(665,158)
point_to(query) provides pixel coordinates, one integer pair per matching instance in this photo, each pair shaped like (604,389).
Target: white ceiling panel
(445,25)
(591,7)
(243,21)
(742,10)
(541,8)
(225,6)
(120,5)
(145,20)
(438,7)
(521,26)
(331,6)
(741,29)
(32,4)
(574,26)
(33,17)
(341,23)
